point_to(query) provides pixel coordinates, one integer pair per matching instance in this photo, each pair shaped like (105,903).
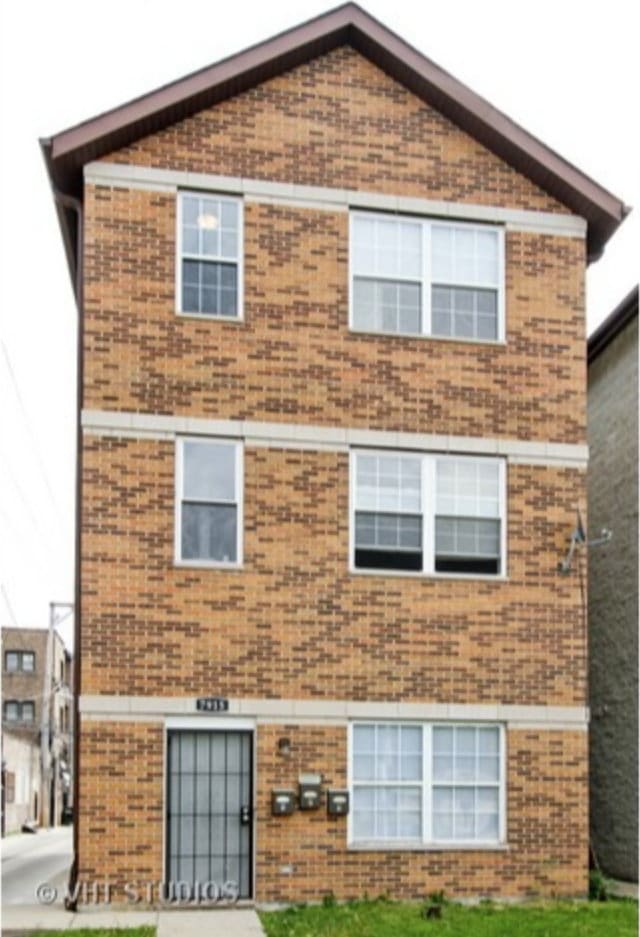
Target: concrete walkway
(225,922)
(623,889)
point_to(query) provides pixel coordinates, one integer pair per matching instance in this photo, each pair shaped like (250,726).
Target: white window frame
(425,281)
(178,496)
(206,316)
(428,501)
(427,784)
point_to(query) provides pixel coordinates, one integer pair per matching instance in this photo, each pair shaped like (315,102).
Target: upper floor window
(209,255)
(415,277)
(19,661)
(15,711)
(209,502)
(428,513)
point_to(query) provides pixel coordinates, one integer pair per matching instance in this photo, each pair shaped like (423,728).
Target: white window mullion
(178,258)
(178,501)
(427,799)
(502,493)
(426,279)
(502,793)
(353,468)
(428,513)
(239,502)
(502,287)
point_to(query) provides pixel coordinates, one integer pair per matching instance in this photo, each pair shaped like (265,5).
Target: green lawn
(390,919)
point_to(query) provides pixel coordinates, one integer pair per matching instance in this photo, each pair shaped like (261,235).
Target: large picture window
(427,784)
(209,502)
(427,513)
(209,255)
(412,276)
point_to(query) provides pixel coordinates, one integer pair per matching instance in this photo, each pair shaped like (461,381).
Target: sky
(563,69)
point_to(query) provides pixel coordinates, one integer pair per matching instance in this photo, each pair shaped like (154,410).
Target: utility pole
(46,813)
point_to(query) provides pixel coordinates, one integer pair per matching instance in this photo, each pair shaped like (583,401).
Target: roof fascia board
(346,23)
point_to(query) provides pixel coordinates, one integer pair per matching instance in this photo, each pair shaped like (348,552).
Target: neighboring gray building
(24,675)
(613,590)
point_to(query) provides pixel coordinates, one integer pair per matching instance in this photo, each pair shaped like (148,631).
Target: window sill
(491,342)
(409,846)
(207,564)
(209,317)
(408,574)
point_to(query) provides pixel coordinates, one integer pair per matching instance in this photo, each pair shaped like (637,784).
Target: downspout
(69,202)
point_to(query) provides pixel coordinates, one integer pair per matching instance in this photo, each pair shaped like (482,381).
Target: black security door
(209,808)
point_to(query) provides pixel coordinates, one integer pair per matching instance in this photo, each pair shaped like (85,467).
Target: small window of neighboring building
(209,255)
(12,711)
(412,276)
(428,514)
(209,502)
(16,661)
(16,711)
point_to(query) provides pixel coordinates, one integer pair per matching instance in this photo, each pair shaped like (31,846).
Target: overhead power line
(9,606)
(32,435)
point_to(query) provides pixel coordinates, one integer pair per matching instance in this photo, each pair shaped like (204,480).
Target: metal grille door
(209,808)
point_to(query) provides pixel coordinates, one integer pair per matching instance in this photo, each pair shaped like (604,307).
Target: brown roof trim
(615,322)
(69,150)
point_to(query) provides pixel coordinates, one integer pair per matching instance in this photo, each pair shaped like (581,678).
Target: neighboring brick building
(25,684)
(613,590)
(333,441)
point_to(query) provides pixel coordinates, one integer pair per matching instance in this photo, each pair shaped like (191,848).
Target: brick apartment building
(26,685)
(332,444)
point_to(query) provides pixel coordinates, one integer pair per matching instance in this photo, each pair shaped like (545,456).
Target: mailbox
(337,803)
(282,803)
(309,791)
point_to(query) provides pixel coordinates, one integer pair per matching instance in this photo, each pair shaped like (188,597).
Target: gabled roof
(616,321)
(68,151)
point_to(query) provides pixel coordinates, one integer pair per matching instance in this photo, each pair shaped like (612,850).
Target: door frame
(210,724)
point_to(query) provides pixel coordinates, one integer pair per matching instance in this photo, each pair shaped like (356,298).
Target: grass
(390,919)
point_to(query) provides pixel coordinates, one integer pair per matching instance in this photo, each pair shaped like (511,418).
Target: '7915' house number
(212,704)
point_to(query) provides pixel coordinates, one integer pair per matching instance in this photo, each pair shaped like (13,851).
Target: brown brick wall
(339,121)
(121,815)
(294,359)
(120,804)
(547,831)
(29,686)
(294,623)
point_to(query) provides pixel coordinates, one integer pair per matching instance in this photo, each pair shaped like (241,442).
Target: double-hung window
(467,522)
(428,513)
(412,276)
(19,661)
(209,255)
(15,711)
(427,784)
(209,502)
